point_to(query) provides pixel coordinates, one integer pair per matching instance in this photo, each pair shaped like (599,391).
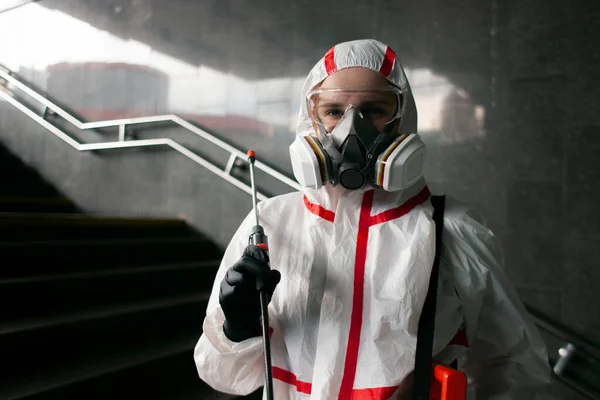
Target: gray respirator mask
(355,154)
(353,147)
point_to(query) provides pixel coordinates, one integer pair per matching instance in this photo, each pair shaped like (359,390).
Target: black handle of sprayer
(258,238)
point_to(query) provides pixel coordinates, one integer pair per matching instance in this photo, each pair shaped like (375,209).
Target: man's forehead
(354,97)
(354,77)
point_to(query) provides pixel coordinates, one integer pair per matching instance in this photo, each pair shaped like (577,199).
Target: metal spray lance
(258,238)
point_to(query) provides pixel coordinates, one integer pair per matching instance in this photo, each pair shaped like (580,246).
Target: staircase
(95,307)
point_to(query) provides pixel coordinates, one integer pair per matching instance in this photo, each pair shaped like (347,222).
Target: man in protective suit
(352,255)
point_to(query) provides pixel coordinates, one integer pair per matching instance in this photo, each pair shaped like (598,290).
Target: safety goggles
(379,106)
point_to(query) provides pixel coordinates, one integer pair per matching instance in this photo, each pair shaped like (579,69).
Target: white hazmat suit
(355,268)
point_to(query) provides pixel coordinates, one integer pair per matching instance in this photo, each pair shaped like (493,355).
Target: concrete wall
(137,182)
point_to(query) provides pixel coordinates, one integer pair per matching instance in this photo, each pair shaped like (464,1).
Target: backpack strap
(424,357)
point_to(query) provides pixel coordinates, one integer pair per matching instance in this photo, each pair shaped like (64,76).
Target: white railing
(121,124)
(7,5)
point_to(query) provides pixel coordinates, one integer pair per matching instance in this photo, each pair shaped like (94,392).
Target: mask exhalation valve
(350,177)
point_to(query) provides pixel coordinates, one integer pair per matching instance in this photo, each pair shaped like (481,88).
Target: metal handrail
(563,333)
(121,124)
(573,351)
(16,5)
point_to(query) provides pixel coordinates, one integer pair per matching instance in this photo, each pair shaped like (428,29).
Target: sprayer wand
(258,238)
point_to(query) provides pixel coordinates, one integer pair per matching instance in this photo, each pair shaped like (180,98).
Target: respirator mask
(357,144)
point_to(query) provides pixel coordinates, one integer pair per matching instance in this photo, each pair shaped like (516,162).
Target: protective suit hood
(367,53)
(376,147)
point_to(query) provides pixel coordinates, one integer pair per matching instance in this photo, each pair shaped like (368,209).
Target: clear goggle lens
(379,106)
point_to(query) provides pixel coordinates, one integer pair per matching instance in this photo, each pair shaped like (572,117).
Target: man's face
(362,88)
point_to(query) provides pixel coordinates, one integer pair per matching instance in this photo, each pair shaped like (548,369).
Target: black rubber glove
(239,296)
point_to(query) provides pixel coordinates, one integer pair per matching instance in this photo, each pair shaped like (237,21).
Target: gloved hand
(239,296)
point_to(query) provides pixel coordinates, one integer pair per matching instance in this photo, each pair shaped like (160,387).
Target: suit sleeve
(230,367)
(507,358)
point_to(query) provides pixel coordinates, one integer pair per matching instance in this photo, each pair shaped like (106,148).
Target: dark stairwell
(96,307)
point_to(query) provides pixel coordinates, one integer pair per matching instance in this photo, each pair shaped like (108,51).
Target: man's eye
(334,113)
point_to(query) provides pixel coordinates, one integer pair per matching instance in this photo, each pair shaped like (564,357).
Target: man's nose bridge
(353,107)
(344,127)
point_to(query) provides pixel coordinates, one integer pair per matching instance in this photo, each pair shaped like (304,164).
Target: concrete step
(15,226)
(77,347)
(49,257)
(44,298)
